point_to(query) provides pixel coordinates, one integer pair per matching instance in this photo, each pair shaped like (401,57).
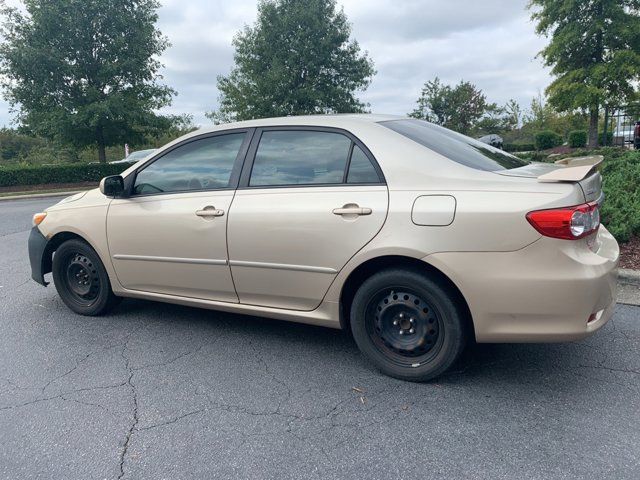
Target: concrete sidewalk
(26,196)
(629,286)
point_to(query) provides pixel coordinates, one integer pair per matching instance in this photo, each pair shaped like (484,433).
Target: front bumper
(40,263)
(551,291)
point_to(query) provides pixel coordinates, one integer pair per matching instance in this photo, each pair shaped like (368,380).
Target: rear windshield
(455,146)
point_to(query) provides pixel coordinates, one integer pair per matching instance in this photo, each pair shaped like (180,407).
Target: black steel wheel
(409,325)
(405,326)
(81,279)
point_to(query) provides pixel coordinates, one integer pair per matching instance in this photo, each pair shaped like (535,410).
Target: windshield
(455,146)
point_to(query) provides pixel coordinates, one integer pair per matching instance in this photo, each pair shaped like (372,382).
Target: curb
(628,276)
(41,195)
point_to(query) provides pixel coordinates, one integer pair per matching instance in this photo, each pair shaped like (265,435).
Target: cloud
(490,43)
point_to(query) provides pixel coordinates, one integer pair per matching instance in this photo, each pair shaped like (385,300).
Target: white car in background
(623,134)
(137,156)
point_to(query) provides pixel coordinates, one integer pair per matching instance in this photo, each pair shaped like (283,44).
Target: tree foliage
(297,59)
(594,52)
(84,72)
(513,115)
(459,108)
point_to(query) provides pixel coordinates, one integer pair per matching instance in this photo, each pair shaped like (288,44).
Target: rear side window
(300,157)
(204,164)
(455,146)
(361,170)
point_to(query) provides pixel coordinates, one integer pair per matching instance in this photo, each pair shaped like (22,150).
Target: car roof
(341,120)
(345,121)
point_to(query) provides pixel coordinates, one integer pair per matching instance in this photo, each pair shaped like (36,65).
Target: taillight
(569,223)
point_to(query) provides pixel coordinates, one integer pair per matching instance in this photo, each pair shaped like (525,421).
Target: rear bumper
(37,246)
(550,291)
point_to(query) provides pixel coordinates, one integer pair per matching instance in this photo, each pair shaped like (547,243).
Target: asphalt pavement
(160,391)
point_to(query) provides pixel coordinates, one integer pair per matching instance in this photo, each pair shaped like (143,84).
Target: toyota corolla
(415,238)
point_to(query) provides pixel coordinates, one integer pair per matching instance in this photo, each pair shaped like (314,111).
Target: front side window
(300,157)
(204,164)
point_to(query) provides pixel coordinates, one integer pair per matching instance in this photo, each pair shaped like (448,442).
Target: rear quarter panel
(490,214)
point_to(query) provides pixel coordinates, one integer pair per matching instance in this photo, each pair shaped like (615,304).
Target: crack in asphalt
(88,404)
(274,378)
(60,396)
(169,362)
(134,416)
(71,370)
(173,420)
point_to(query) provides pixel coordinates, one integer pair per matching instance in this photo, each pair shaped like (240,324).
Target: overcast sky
(490,43)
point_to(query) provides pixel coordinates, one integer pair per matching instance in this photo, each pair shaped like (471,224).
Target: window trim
(235,171)
(247,168)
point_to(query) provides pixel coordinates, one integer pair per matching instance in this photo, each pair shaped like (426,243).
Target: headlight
(39,217)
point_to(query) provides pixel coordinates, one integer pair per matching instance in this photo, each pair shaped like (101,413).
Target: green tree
(540,113)
(513,115)
(458,108)
(594,52)
(84,72)
(297,59)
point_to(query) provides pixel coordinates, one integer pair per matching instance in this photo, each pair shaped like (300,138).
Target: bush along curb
(64,173)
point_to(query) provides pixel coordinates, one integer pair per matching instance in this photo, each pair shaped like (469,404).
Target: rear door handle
(209,211)
(352,209)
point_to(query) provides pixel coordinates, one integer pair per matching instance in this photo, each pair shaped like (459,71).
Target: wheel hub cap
(82,278)
(406,324)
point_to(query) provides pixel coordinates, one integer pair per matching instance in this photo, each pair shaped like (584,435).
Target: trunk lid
(580,170)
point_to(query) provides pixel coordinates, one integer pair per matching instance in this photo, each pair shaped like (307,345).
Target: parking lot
(161,391)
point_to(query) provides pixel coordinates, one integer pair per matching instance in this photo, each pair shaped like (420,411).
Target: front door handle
(352,209)
(210,211)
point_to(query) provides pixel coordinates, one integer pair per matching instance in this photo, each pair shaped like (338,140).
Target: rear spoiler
(573,169)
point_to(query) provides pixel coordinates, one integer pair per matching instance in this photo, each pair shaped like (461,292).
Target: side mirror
(112,186)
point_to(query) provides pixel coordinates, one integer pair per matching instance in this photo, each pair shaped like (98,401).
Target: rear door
(308,200)
(170,235)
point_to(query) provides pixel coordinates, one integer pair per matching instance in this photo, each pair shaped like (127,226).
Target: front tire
(408,325)
(81,279)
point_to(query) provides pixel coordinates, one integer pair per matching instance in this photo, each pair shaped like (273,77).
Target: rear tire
(81,279)
(408,325)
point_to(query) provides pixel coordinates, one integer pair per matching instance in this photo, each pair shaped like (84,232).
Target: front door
(169,237)
(310,201)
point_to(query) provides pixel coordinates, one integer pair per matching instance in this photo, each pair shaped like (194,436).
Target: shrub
(621,209)
(518,147)
(66,173)
(609,138)
(578,138)
(47,155)
(14,144)
(547,139)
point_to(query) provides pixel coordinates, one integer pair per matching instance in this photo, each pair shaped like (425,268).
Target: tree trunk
(593,127)
(102,154)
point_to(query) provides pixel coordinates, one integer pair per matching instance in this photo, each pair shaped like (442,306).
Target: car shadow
(516,365)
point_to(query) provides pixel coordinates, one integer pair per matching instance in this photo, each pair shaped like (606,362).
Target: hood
(79,200)
(72,198)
